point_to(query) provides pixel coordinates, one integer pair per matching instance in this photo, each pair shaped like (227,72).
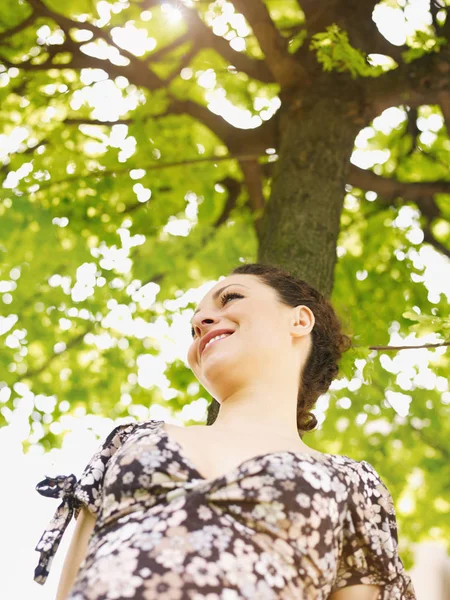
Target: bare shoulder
(357,592)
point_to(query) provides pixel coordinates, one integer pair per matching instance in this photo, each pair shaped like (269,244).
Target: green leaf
(334,53)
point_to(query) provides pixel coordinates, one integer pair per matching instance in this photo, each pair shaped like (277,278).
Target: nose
(200,323)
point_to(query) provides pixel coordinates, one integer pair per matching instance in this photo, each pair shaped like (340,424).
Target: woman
(242,507)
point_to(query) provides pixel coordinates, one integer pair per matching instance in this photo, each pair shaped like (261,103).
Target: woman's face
(261,336)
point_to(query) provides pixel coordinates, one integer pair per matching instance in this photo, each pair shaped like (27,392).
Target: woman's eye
(229,295)
(223,299)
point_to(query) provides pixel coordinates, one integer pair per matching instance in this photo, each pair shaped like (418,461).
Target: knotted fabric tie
(61,486)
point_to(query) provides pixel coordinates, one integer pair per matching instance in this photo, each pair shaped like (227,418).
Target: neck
(258,414)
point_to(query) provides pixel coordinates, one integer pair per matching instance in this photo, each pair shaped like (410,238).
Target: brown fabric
(282,525)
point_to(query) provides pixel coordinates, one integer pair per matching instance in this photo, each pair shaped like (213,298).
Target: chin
(211,370)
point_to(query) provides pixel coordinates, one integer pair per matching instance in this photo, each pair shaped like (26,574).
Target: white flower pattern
(282,525)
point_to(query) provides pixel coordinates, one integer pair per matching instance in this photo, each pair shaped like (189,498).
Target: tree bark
(300,226)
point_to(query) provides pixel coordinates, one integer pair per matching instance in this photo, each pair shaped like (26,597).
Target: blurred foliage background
(149,147)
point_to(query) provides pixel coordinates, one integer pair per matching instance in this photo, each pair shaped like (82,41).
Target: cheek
(192,354)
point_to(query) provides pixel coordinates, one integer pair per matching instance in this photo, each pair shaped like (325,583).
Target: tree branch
(151,167)
(70,344)
(254,140)
(443,99)
(233,186)
(422,193)
(412,129)
(429,237)
(67,23)
(392,188)
(253,179)
(286,70)
(140,73)
(417,83)
(79,61)
(257,69)
(389,189)
(430,440)
(136,72)
(185,60)
(97,122)
(23,25)
(404,347)
(30,150)
(161,52)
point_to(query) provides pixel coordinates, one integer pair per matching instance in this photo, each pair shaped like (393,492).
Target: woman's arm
(356,592)
(76,553)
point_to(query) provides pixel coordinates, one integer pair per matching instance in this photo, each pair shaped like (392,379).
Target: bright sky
(21,504)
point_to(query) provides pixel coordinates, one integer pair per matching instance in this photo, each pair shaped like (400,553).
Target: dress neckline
(253,459)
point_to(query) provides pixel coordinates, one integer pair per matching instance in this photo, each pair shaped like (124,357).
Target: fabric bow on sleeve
(61,486)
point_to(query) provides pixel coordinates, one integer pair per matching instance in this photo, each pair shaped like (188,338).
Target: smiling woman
(241,507)
(319,365)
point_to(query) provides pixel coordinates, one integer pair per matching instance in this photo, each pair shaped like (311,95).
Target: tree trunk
(300,226)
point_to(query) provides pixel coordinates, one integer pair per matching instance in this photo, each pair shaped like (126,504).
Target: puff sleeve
(73,493)
(369,550)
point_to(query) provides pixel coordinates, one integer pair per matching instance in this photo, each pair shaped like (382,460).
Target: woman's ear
(304,319)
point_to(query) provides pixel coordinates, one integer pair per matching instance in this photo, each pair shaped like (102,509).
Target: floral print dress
(283,525)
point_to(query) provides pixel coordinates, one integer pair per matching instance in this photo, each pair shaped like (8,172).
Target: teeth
(217,337)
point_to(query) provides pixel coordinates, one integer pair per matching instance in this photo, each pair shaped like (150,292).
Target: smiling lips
(216,340)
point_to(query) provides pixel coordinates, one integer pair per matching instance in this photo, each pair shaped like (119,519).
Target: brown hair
(328,340)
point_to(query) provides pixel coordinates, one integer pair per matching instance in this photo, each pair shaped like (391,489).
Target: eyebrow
(219,291)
